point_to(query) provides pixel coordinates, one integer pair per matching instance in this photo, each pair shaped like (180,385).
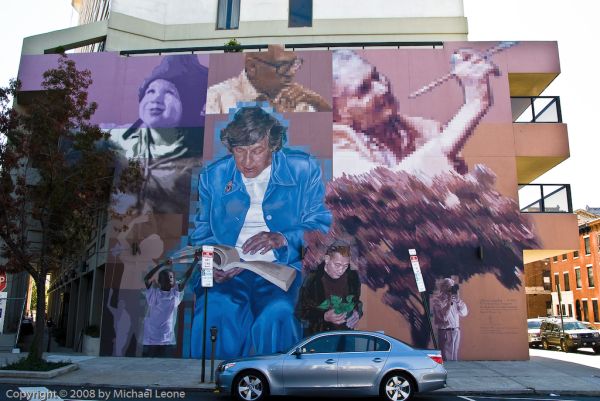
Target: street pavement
(53,393)
(544,374)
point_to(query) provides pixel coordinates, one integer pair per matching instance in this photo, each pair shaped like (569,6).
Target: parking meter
(213,340)
(49,325)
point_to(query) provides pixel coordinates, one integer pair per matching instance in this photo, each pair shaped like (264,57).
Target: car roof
(378,334)
(355,332)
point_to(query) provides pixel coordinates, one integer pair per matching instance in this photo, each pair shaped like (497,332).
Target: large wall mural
(313,173)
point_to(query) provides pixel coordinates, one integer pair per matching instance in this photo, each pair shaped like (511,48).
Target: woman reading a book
(261,199)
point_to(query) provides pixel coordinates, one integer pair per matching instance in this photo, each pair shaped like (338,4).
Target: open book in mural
(227,257)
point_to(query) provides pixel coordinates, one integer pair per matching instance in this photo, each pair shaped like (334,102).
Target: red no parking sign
(2,280)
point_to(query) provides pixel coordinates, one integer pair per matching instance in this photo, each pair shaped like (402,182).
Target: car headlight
(596,334)
(574,335)
(228,365)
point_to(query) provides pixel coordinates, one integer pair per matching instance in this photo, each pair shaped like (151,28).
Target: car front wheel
(564,346)
(250,386)
(397,387)
(545,344)
(597,350)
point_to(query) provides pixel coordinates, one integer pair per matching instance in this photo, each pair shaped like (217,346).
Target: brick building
(577,273)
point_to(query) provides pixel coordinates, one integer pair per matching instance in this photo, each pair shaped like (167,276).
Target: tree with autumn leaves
(56,173)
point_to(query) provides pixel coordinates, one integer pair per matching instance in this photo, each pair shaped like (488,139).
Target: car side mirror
(297,352)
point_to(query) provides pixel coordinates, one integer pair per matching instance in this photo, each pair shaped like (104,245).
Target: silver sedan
(346,363)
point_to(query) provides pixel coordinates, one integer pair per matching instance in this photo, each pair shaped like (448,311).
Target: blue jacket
(293,203)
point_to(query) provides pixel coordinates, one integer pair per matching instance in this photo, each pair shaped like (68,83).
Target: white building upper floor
(159,24)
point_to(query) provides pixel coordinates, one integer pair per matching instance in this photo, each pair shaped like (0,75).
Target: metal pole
(426,306)
(562,323)
(202,374)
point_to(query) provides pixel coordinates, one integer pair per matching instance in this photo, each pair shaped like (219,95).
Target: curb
(29,374)
(38,381)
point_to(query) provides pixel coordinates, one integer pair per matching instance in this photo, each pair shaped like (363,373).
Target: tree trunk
(37,345)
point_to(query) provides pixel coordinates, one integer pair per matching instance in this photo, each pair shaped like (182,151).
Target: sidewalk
(536,376)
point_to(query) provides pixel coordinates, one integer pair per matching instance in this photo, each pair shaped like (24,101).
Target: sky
(574,24)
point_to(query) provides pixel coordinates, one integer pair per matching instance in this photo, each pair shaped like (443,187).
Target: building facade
(576,274)
(141,24)
(477,226)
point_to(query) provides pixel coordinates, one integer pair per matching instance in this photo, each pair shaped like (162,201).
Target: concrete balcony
(557,233)
(541,139)
(548,207)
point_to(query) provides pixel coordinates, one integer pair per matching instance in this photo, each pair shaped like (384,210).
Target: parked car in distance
(533,331)
(342,363)
(574,336)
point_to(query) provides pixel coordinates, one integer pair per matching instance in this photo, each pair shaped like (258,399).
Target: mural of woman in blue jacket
(262,199)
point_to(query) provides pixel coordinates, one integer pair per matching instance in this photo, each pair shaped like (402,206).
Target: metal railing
(545,198)
(536,109)
(291,46)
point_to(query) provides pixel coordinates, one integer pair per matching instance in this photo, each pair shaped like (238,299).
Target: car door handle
(330,361)
(377,360)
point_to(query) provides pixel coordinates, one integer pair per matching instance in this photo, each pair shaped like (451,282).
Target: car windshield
(534,324)
(574,326)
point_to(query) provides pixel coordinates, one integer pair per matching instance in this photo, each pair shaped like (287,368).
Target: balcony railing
(536,109)
(545,198)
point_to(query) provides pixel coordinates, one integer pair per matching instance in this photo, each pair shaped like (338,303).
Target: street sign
(414,261)
(207,266)
(2,280)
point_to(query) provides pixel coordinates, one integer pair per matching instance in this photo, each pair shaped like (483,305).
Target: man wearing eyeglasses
(330,296)
(267,76)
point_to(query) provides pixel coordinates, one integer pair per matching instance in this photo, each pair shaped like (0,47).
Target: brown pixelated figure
(448,308)
(267,76)
(369,130)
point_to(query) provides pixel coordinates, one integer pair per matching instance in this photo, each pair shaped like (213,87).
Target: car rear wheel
(564,346)
(250,386)
(397,387)
(545,344)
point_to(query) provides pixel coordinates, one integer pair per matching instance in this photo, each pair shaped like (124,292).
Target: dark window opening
(300,13)
(586,244)
(228,14)
(567,283)
(584,306)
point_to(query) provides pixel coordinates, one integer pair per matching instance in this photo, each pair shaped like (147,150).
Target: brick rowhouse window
(590,273)
(586,313)
(586,245)
(567,282)
(577,277)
